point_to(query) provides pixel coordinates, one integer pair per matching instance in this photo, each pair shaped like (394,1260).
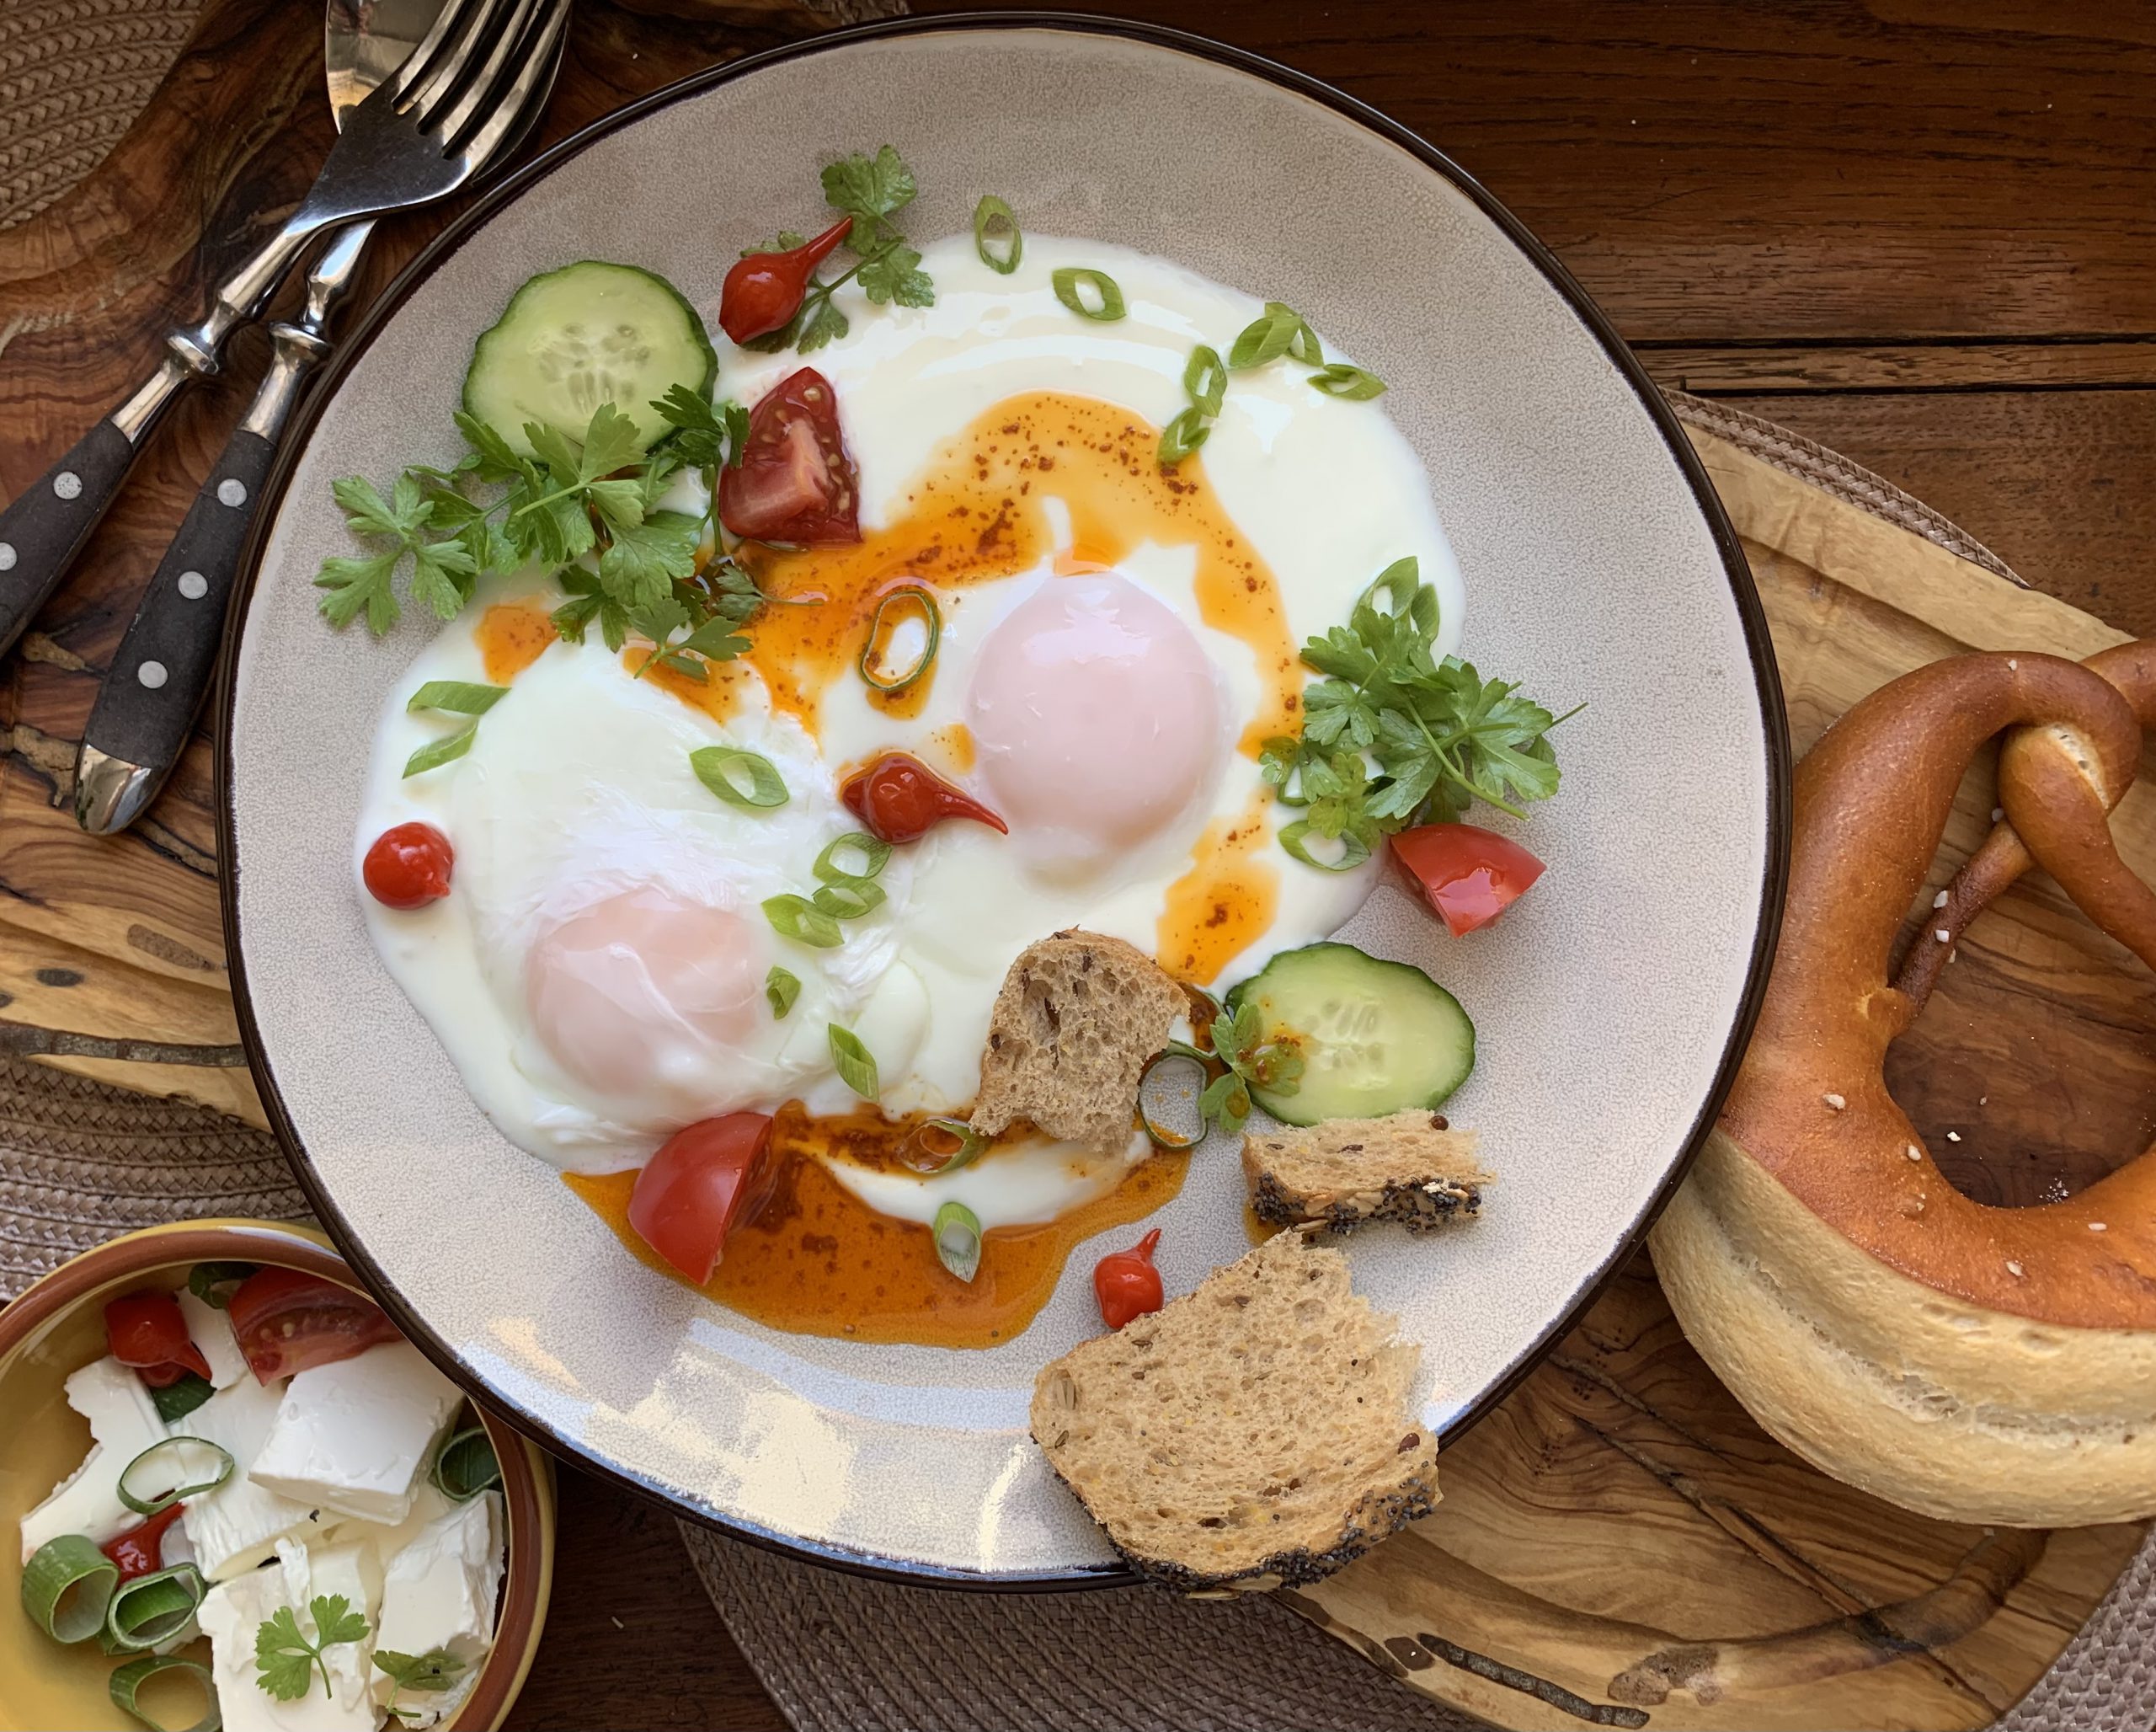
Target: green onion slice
(1183,435)
(1303,345)
(71,1561)
(782,987)
(461,696)
(721,767)
(905,596)
(1352,382)
(1265,337)
(151,1610)
(875,854)
(971,1145)
(1353,850)
(176,1401)
(215,1283)
(466,1465)
(1071,283)
(848,898)
(129,1679)
(1205,380)
(997,237)
(957,1240)
(1159,1135)
(856,1064)
(170,1470)
(797,918)
(437,752)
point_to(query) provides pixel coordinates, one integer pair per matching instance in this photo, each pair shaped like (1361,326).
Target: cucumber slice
(588,333)
(1376,1037)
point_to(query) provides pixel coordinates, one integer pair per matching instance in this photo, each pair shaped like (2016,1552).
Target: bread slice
(1409,1167)
(1077,1018)
(1254,1434)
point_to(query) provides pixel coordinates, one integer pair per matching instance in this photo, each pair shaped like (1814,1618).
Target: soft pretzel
(1977,1364)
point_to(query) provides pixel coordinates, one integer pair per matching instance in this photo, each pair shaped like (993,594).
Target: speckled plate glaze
(1611,1004)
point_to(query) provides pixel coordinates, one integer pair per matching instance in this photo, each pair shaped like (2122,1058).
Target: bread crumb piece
(2098,1226)
(1939,900)
(1914,1153)
(1835,1102)
(2014,1268)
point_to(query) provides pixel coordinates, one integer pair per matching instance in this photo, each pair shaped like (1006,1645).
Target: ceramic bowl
(59,1325)
(1611,1004)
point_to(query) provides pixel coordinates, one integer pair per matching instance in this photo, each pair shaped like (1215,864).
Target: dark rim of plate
(1758,645)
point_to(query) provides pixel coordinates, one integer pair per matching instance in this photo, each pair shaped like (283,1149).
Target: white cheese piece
(438,1592)
(233,1611)
(236,1527)
(352,1436)
(210,1329)
(123,1422)
(388,1539)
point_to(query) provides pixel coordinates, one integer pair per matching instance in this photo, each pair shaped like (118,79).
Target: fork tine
(415,63)
(479,88)
(534,78)
(476,27)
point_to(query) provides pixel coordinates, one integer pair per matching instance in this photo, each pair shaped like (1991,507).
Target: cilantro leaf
(286,1658)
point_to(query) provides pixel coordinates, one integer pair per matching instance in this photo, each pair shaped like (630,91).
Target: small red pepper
(409,866)
(1127,1284)
(140,1551)
(900,800)
(147,1331)
(764,290)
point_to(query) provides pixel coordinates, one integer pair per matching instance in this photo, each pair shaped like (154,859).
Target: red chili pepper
(140,1551)
(765,289)
(409,866)
(899,799)
(146,1330)
(1127,1284)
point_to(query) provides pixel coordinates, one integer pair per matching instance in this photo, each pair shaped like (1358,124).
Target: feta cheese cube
(428,1504)
(233,1611)
(123,1422)
(210,1329)
(438,1592)
(237,1525)
(353,1436)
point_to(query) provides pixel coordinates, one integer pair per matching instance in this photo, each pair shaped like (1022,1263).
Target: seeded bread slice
(1077,1018)
(1251,1435)
(1409,1167)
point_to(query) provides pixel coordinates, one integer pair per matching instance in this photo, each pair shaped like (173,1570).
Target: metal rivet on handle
(194,586)
(7,556)
(68,484)
(152,674)
(230,493)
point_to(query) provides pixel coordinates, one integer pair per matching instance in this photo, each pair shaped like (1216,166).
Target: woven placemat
(81,1161)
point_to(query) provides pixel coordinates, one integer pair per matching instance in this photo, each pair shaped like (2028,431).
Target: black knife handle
(162,670)
(44,528)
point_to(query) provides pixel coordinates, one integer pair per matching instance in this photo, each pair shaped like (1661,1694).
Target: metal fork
(424,133)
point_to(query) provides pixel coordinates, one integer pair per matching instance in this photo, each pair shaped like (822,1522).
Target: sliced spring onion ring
(1265,337)
(997,237)
(1205,380)
(1352,382)
(907,595)
(875,853)
(1295,839)
(437,752)
(957,1240)
(855,1063)
(466,1465)
(1161,1138)
(1183,435)
(848,898)
(972,1145)
(151,1610)
(721,767)
(71,1561)
(782,987)
(129,1679)
(170,1470)
(461,696)
(215,1283)
(797,918)
(1069,284)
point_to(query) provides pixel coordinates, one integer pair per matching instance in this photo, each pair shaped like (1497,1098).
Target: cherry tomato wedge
(286,1323)
(899,799)
(764,290)
(705,1180)
(1127,1284)
(147,1331)
(1468,875)
(409,866)
(140,1551)
(795,483)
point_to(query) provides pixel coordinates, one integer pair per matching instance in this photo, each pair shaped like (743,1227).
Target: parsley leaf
(894,275)
(871,190)
(436,1669)
(442,573)
(286,1658)
(1244,1059)
(706,434)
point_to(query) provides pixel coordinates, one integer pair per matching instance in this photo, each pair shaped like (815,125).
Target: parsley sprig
(871,190)
(436,1669)
(1396,736)
(287,1658)
(1238,1058)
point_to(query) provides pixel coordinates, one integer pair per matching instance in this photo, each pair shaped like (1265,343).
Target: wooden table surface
(1921,232)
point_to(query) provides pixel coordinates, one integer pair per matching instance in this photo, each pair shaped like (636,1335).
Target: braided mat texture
(81,1161)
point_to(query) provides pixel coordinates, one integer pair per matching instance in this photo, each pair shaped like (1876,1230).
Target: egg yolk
(1095,714)
(632,994)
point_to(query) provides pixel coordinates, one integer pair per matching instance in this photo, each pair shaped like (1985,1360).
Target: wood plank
(1776,369)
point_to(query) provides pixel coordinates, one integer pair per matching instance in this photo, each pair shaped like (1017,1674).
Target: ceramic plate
(1611,1005)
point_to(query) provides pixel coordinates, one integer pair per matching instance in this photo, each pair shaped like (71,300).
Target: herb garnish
(871,190)
(436,1669)
(855,1062)
(285,1660)
(1244,1060)
(1395,736)
(782,987)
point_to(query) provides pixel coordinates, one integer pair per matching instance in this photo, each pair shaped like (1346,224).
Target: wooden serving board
(1619,1545)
